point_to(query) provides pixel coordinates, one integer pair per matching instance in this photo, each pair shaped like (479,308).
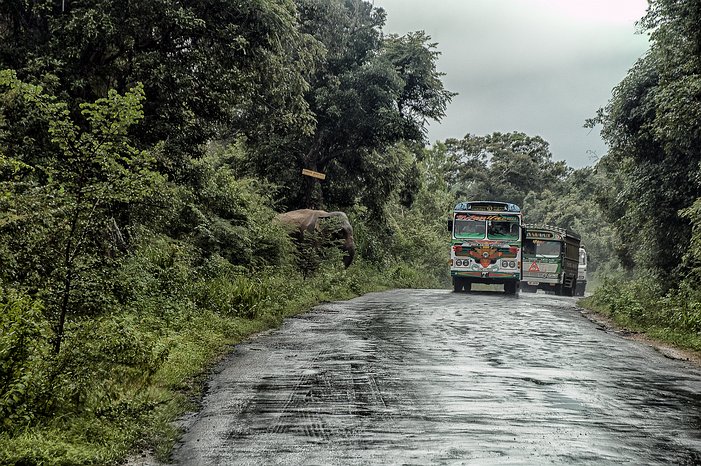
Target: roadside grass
(123,379)
(640,306)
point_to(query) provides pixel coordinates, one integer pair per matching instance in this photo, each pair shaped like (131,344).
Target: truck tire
(526,288)
(457,284)
(510,288)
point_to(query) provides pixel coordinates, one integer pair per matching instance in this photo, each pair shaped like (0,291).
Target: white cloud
(537,66)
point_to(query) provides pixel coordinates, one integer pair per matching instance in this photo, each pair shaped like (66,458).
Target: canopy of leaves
(502,166)
(369,93)
(653,127)
(208,68)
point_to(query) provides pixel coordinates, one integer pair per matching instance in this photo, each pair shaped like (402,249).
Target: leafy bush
(105,362)
(237,296)
(24,361)
(682,309)
(643,305)
(630,301)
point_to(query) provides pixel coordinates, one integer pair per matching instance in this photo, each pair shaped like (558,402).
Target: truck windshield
(541,248)
(498,229)
(470,228)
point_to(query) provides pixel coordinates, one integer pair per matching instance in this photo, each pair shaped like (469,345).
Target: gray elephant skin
(309,220)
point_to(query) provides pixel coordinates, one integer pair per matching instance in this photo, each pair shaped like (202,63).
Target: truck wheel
(510,287)
(457,284)
(573,290)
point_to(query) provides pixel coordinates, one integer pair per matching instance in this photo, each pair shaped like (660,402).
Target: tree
(368,94)
(209,68)
(502,166)
(652,126)
(57,213)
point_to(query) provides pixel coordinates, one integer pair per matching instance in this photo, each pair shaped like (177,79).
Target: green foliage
(103,364)
(229,215)
(205,66)
(24,358)
(642,305)
(57,215)
(652,127)
(692,259)
(368,94)
(238,296)
(502,166)
(628,301)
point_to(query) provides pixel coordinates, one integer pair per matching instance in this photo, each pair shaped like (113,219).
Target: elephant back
(303,219)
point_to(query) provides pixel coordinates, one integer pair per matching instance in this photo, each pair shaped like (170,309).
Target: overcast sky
(537,66)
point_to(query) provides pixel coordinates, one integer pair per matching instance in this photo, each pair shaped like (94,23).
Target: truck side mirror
(450,225)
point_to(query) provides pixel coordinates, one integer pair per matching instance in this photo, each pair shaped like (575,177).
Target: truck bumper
(486,276)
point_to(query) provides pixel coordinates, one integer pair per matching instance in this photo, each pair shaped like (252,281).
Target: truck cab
(486,240)
(550,260)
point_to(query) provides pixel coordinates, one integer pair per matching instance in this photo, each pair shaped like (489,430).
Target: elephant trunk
(349,254)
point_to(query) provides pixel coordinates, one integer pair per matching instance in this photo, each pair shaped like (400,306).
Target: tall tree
(369,93)
(57,215)
(502,166)
(208,67)
(652,125)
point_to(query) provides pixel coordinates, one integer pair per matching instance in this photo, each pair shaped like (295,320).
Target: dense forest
(146,148)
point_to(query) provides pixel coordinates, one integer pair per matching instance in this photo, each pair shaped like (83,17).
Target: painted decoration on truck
(541,266)
(493,218)
(486,254)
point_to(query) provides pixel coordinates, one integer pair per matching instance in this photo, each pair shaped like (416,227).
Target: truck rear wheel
(510,287)
(526,288)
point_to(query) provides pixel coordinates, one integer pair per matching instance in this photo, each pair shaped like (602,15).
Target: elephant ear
(343,219)
(329,223)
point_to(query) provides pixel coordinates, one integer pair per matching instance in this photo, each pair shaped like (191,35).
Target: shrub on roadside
(642,306)
(25,356)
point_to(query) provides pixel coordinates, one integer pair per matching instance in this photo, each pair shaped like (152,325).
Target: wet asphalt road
(435,377)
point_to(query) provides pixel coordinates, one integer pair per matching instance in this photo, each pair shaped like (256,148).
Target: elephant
(309,220)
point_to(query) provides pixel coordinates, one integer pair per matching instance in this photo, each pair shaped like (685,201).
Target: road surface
(436,377)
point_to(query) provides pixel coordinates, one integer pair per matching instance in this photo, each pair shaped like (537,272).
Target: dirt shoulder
(666,349)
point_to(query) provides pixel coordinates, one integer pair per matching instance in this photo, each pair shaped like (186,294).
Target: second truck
(550,260)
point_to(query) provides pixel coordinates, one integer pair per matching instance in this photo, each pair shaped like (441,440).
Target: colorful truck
(550,259)
(485,245)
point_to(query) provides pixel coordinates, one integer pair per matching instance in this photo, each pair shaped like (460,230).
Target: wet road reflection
(434,377)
